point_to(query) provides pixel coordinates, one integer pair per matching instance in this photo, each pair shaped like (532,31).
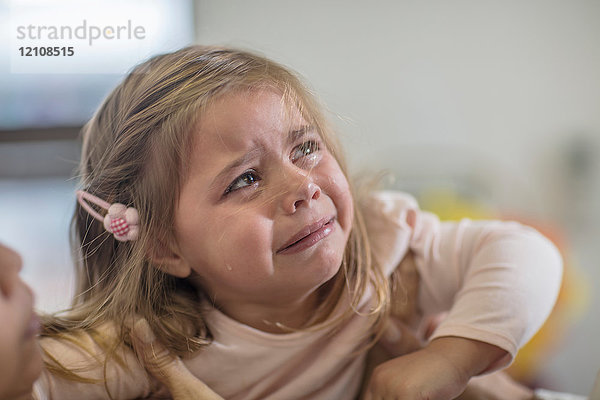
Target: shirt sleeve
(119,379)
(497,280)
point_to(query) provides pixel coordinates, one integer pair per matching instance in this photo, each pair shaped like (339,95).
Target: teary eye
(305,149)
(248,178)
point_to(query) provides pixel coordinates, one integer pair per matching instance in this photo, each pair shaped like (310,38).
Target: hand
(21,360)
(168,369)
(423,374)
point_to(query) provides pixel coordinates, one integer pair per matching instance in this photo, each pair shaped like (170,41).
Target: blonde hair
(135,149)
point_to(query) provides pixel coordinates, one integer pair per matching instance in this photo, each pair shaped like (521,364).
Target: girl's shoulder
(388,212)
(388,203)
(390,218)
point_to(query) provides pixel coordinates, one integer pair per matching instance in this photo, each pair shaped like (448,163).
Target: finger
(157,359)
(168,369)
(10,265)
(10,258)
(185,386)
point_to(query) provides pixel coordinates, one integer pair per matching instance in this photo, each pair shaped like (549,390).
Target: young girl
(216,212)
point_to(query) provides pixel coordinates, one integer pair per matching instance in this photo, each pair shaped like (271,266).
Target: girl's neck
(275,318)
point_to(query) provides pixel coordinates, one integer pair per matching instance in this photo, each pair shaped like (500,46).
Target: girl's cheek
(336,186)
(332,178)
(336,180)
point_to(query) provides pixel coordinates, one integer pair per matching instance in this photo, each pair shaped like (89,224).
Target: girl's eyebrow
(293,135)
(252,154)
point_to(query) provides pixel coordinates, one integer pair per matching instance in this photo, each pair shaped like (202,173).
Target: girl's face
(265,214)
(21,360)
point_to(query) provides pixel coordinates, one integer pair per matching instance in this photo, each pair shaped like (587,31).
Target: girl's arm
(398,339)
(498,281)
(441,370)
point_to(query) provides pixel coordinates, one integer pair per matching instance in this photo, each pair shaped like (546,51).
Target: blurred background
(483,109)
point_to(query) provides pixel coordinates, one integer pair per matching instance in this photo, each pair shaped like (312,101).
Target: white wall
(502,96)
(470,86)
(35,216)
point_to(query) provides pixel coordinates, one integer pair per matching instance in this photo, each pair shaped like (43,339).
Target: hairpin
(119,220)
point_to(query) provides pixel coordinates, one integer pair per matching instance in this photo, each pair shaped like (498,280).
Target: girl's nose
(300,192)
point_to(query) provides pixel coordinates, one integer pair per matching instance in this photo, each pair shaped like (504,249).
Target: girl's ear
(169,261)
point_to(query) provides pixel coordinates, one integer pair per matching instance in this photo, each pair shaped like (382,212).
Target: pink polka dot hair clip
(121,221)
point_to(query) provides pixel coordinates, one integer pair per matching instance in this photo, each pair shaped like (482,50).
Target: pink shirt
(498,280)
